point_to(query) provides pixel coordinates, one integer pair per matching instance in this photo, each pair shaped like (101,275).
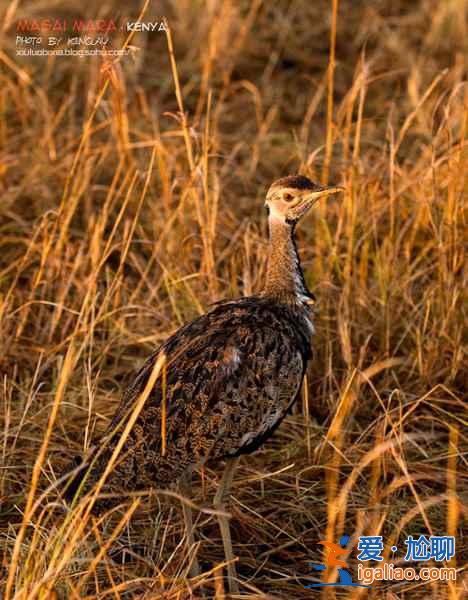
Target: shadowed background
(132,195)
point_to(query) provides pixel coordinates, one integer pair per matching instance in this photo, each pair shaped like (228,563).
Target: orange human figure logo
(334,550)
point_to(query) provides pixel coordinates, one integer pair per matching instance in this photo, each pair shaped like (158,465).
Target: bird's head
(289,198)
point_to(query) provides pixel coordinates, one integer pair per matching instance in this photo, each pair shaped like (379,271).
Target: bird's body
(228,378)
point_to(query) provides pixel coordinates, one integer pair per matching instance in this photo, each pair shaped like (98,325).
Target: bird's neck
(285,279)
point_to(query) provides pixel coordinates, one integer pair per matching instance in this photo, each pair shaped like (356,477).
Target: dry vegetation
(132,198)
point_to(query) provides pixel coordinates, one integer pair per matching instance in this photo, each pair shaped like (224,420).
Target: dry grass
(131,198)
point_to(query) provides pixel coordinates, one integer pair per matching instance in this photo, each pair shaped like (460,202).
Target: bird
(229,379)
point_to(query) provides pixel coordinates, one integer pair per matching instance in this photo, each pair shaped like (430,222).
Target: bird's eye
(288,197)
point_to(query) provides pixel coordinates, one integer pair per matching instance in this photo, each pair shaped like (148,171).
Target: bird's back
(229,379)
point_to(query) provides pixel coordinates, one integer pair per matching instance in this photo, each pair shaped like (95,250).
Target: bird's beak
(310,198)
(325,190)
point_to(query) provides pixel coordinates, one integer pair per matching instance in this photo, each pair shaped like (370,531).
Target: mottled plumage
(231,376)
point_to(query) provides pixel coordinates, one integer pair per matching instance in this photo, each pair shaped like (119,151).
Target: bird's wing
(230,378)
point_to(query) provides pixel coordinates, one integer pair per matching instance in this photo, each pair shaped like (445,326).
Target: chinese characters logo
(437,548)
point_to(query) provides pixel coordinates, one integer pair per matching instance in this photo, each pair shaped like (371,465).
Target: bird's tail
(83,474)
(73,485)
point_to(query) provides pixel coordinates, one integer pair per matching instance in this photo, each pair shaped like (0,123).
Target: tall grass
(131,199)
